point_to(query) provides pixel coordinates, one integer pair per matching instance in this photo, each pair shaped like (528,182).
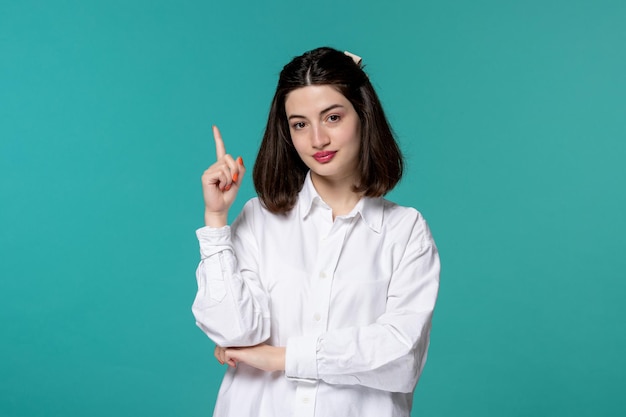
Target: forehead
(313,99)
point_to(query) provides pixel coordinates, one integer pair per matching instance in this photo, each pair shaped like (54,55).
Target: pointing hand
(220,184)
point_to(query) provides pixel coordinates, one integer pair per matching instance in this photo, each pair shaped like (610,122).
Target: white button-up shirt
(351,299)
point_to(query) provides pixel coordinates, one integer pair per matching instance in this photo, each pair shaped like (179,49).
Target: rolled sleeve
(231,306)
(213,240)
(301,358)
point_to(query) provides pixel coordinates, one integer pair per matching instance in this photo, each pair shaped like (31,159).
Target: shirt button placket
(305,400)
(318,308)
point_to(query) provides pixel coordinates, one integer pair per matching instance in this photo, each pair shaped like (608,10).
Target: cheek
(351,133)
(296,143)
(351,137)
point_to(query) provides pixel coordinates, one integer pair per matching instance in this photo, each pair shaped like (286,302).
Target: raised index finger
(220,150)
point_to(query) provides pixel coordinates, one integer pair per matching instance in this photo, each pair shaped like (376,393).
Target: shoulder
(255,213)
(245,227)
(251,210)
(395,214)
(253,205)
(400,220)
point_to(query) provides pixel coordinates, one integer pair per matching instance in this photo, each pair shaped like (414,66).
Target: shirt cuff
(301,358)
(213,240)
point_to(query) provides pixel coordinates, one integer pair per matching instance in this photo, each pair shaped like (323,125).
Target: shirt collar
(370,209)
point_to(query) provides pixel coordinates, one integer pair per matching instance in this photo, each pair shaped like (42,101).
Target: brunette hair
(279,172)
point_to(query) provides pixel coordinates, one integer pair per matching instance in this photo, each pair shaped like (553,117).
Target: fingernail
(227,188)
(235,176)
(240,160)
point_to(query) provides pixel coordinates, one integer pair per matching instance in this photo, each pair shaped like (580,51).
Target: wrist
(280,359)
(216,220)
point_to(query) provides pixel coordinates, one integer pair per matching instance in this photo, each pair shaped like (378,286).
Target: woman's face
(325,130)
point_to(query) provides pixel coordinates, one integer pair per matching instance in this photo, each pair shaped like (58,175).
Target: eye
(298,125)
(333,118)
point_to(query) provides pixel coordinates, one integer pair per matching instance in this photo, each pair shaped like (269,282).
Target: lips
(324,156)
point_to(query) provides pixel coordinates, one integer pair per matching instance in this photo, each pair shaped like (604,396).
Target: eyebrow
(327,109)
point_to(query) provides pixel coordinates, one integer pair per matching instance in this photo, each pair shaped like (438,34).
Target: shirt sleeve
(231,306)
(390,353)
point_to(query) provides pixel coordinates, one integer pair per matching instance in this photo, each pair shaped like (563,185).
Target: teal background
(512,115)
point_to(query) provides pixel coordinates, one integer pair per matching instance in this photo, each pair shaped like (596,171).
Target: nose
(319,138)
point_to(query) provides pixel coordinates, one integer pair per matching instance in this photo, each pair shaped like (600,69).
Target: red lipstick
(324,156)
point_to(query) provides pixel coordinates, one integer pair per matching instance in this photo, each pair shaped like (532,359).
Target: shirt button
(323,275)
(317,316)
(306,400)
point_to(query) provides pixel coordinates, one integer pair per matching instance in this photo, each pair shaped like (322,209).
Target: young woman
(320,295)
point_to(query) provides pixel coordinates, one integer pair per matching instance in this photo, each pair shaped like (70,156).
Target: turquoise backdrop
(512,115)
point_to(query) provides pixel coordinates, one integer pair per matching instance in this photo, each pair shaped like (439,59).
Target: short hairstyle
(279,172)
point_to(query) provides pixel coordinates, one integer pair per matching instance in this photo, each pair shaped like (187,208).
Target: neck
(338,194)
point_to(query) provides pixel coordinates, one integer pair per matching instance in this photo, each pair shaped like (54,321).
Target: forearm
(377,356)
(229,309)
(264,357)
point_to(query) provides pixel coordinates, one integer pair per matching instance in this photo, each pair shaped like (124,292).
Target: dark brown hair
(279,172)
